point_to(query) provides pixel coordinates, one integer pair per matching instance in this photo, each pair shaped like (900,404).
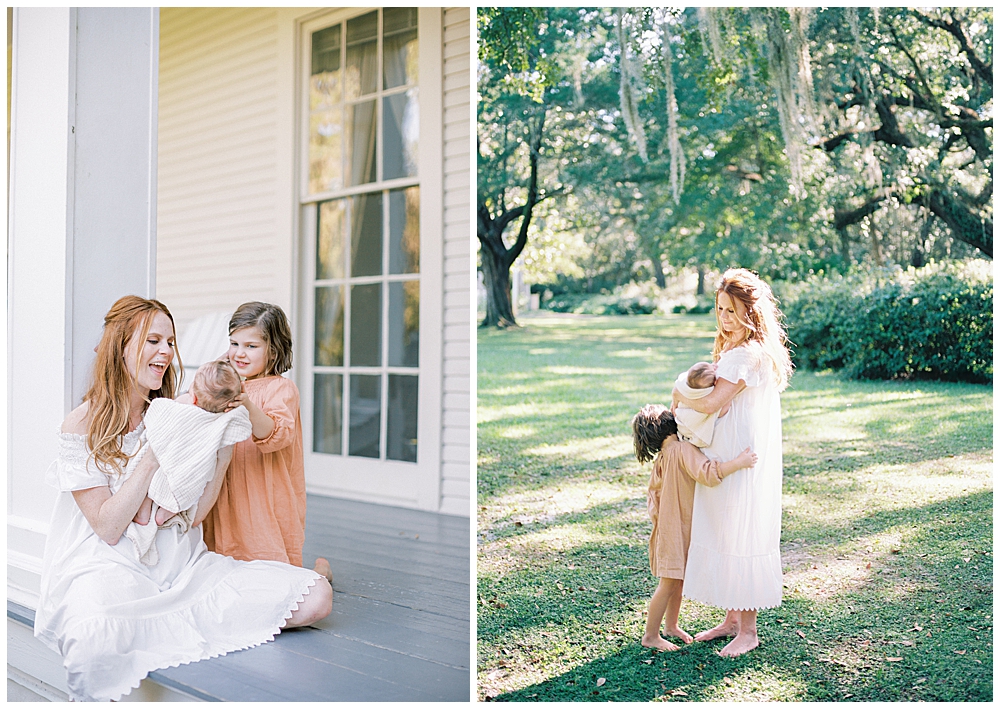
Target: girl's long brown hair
(650,427)
(112,384)
(762,321)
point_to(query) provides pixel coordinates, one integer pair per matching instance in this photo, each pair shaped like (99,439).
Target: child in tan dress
(678,465)
(261,510)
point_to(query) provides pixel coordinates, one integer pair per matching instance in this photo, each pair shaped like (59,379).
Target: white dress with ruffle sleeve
(734,561)
(114,620)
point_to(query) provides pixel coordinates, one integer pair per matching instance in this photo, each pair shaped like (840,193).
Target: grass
(886,530)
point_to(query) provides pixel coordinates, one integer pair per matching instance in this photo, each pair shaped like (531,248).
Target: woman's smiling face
(155,353)
(731,315)
(248,352)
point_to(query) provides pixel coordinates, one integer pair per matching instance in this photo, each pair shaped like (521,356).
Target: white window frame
(393,482)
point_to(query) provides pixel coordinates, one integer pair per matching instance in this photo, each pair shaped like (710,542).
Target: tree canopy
(789,140)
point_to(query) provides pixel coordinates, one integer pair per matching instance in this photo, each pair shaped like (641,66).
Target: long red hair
(112,384)
(762,321)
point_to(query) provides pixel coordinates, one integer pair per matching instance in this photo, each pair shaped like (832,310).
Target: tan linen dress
(261,510)
(678,466)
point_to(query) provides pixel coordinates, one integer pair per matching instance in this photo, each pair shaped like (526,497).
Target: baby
(696,383)
(185,435)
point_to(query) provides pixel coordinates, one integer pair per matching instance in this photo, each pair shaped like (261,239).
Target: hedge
(935,322)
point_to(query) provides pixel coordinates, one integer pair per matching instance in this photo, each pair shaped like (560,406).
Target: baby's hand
(142,515)
(747,458)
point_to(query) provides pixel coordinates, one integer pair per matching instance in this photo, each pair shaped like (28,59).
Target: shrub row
(935,322)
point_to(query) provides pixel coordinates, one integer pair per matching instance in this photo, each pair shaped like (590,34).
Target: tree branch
(954,28)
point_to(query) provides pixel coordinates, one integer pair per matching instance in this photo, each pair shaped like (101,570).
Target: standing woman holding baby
(111,618)
(734,560)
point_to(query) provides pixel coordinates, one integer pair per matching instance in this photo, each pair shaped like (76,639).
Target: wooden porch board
(399,630)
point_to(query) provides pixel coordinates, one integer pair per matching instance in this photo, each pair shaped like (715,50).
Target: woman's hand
(109,514)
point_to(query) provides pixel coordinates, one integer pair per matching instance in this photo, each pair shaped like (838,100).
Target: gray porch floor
(399,630)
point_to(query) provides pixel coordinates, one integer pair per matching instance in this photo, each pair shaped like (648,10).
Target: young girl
(677,467)
(261,510)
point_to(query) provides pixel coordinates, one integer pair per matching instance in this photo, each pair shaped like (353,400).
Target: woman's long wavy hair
(112,384)
(762,321)
(650,427)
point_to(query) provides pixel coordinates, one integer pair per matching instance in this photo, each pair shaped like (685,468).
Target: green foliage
(930,323)
(601,304)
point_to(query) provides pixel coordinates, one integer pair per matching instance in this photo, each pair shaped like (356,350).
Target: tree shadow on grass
(831,649)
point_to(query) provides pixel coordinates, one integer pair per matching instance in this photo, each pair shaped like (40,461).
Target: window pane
(366,405)
(326,50)
(329,350)
(325,152)
(404,324)
(401,428)
(330,240)
(362,55)
(366,325)
(360,144)
(328,413)
(404,230)
(401,116)
(366,235)
(399,46)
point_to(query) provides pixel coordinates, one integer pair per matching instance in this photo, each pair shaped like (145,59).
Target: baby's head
(215,384)
(701,375)
(650,427)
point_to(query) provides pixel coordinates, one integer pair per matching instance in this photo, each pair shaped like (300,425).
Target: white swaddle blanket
(693,426)
(185,440)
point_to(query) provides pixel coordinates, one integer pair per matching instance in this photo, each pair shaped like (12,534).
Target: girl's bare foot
(658,643)
(322,568)
(743,642)
(676,632)
(725,629)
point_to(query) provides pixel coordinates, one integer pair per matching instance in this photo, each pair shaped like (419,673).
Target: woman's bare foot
(322,568)
(725,629)
(743,642)
(676,632)
(658,643)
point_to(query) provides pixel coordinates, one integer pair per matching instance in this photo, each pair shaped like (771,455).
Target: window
(362,194)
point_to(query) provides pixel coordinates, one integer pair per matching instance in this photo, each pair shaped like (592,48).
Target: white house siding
(456,457)
(218,174)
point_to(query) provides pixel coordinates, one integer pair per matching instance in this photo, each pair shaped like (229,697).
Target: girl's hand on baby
(240,400)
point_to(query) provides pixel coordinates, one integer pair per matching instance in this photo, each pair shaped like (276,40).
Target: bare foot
(162,515)
(740,644)
(676,632)
(725,629)
(142,515)
(658,643)
(322,568)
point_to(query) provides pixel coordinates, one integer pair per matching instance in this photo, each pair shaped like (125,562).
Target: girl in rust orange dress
(677,466)
(261,510)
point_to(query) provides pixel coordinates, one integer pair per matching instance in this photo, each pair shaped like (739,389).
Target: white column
(81,230)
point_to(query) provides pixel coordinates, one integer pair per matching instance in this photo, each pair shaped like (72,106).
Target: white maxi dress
(114,620)
(734,561)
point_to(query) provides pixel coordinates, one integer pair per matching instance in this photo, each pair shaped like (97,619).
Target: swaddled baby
(694,426)
(185,435)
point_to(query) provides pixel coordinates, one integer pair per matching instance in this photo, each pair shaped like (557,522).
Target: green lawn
(886,532)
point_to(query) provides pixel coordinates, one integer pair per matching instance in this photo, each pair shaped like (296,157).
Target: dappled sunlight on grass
(605,448)
(886,526)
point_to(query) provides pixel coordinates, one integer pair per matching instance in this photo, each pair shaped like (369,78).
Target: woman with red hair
(734,560)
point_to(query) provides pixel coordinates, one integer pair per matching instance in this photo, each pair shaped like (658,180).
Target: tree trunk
(701,281)
(661,280)
(496,278)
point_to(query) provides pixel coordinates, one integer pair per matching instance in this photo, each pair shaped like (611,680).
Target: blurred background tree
(792,141)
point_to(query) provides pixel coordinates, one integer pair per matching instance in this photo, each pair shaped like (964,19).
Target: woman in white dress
(112,618)
(734,560)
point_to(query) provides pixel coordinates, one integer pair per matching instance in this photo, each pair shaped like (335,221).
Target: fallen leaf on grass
(800,634)
(678,693)
(647,662)
(908,643)
(966,560)
(601,681)
(894,659)
(916,628)
(811,642)
(868,565)
(959,652)
(727,681)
